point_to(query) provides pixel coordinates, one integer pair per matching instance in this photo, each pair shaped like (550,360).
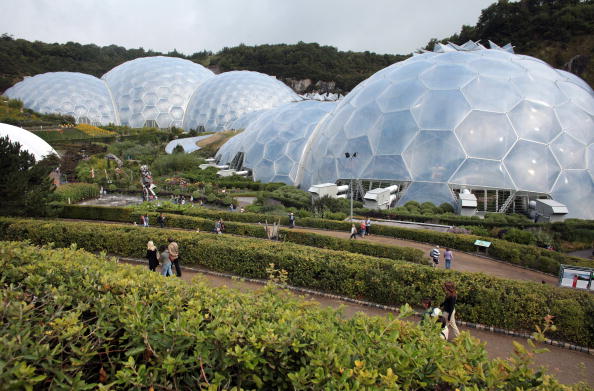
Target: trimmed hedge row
(73,320)
(256,231)
(76,192)
(515,305)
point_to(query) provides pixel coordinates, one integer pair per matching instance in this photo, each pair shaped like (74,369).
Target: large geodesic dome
(82,96)
(272,145)
(464,117)
(30,142)
(228,96)
(154,91)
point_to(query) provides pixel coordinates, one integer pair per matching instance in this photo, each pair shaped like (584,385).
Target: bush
(76,192)
(74,320)
(519,236)
(515,305)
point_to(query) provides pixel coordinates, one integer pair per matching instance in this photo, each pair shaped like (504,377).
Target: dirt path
(462,261)
(568,366)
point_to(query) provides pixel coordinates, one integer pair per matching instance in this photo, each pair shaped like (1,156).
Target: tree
(25,185)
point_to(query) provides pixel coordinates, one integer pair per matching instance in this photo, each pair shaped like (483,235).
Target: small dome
(154,91)
(84,97)
(28,141)
(228,96)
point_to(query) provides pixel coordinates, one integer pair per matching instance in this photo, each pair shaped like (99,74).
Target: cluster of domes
(154,92)
(458,117)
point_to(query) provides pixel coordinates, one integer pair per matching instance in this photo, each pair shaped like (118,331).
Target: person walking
(448,256)
(367,226)
(173,249)
(151,255)
(165,262)
(353,232)
(434,254)
(161,220)
(145,220)
(449,307)
(363,229)
(291,220)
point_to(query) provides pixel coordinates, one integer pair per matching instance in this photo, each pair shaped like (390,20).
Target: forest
(560,32)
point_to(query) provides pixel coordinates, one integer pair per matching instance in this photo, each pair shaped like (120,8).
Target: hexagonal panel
(532,166)
(578,95)
(447,77)
(575,189)
(400,96)
(370,93)
(386,167)
(540,91)
(440,110)
(576,122)
(437,193)
(354,169)
(535,122)
(393,132)
(283,166)
(501,97)
(486,135)
(590,160)
(482,173)
(362,119)
(433,156)
(407,71)
(493,67)
(569,152)
(164,120)
(537,68)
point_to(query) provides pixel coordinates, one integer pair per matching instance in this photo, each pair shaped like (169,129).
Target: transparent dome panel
(532,166)
(400,96)
(433,156)
(535,122)
(575,189)
(482,173)
(501,98)
(486,135)
(393,132)
(576,122)
(437,193)
(569,152)
(447,77)
(386,167)
(579,96)
(540,91)
(440,110)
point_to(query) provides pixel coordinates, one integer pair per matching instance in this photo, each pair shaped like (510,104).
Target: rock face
(302,86)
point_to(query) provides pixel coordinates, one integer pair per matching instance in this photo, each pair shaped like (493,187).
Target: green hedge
(515,305)
(522,255)
(76,192)
(72,320)
(257,231)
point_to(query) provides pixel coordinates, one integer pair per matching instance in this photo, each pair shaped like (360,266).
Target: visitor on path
(145,221)
(222,225)
(291,220)
(173,249)
(429,312)
(448,256)
(217,227)
(363,229)
(161,220)
(367,226)
(434,254)
(353,232)
(449,306)
(165,262)
(434,314)
(151,255)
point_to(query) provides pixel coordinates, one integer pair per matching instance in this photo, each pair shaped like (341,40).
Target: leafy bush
(515,305)
(73,320)
(519,236)
(169,164)
(75,192)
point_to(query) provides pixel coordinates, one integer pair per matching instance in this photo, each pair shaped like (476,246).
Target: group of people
(219,227)
(145,220)
(448,257)
(445,314)
(168,255)
(364,229)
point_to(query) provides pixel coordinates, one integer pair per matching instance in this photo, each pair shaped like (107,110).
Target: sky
(189,26)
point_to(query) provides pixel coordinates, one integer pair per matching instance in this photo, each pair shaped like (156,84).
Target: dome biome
(30,142)
(508,127)
(82,96)
(154,91)
(273,143)
(230,95)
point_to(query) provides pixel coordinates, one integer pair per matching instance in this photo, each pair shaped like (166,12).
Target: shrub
(515,305)
(76,192)
(74,320)
(519,236)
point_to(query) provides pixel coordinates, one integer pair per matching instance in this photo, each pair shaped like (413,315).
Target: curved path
(568,366)
(463,262)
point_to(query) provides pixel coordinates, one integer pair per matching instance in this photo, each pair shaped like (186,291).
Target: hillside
(560,32)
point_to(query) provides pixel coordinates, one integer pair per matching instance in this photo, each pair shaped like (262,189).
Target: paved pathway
(462,261)
(568,366)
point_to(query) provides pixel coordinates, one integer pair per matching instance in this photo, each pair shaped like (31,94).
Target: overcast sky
(382,26)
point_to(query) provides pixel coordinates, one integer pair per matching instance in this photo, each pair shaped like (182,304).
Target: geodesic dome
(230,95)
(84,97)
(30,142)
(243,121)
(154,91)
(273,144)
(465,117)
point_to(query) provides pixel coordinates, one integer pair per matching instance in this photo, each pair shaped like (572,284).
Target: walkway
(568,366)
